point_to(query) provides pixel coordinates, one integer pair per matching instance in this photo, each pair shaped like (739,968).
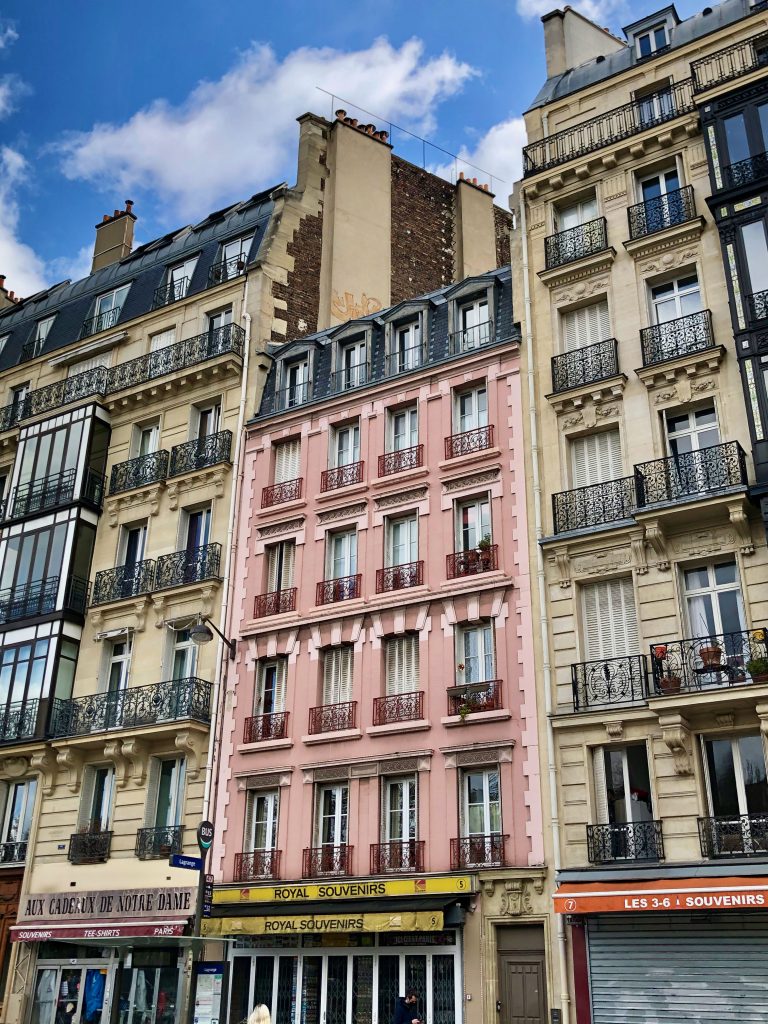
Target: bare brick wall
(502,224)
(302,293)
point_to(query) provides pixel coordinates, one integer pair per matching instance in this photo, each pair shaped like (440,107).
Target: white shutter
(586,326)
(287,460)
(337,675)
(250,800)
(610,619)
(163,339)
(596,458)
(280,565)
(280,685)
(273,563)
(86,797)
(153,780)
(601,792)
(402,664)
(83,365)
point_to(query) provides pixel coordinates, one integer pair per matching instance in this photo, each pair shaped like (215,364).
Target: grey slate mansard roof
(594,71)
(144,269)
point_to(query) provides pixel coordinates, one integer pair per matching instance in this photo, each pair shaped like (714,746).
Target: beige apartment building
(652,559)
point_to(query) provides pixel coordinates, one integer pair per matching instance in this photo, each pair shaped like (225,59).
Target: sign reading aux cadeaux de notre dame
(124,904)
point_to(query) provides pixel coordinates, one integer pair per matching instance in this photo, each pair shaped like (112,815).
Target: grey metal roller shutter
(709,968)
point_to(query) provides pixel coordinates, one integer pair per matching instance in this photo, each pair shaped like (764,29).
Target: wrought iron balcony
(10,415)
(171,701)
(18,720)
(13,853)
(711,662)
(200,453)
(474,698)
(404,359)
(332,717)
(746,172)
(661,212)
(691,474)
(266,727)
(293,395)
(90,383)
(123,582)
(343,589)
(352,376)
(611,682)
(139,472)
(100,322)
(399,577)
(595,505)
(585,365)
(399,461)
(342,476)
(613,126)
(479,851)
(398,857)
(472,562)
(55,491)
(676,338)
(729,63)
(638,840)
(276,494)
(192,565)
(468,442)
(470,338)
(89,847)
(275,603)
(225,270)
(39,598)
(258,864)
(398,707)
(757,303)
(158,843)
(326,860)
(170,292)
(744,835)
(31,349)
(575,243)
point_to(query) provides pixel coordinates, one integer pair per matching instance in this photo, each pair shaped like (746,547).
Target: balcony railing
(250,867)
(472,562)
(89,847)
(276,494)
(352,376)
(691,474)
(342,476)
(474,698)
(10,415)
(595,505)
(398,707)
(275,603)
(404,359)
(468,441)
(747,172)
(266,727)
(710,663)
(639,840)
(676,338)
(190,566)
(661,212)
(398,462)
(613,126)
(54,491)
(18,720)
(225,270)
(326,860)
(13,853)
(757,303)
(90,383)
(343,589)
(729,63)
(397,857)
(171,701)
(332,717)
(139,472)
(39,598)
(471,338)
(123,582)
(170,292)
(31,349)
(100,322)
(478,852)
(585,365)
(158,843)
(293,395)
(399,577)
(611,682)
(200,453)
(575,243)
(744,835)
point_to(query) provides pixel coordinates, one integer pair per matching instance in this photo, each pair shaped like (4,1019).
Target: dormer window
(107,311)
(295,389)
(176,283)
(474,324)
(352,364)
(406,351)
(233,260)
(35,347)
(651,41)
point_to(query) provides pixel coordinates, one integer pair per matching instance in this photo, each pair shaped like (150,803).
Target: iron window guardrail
(609,682)
(625,841)
(143,471)
(124,581)
(586,365)
(661,212)
(576,243)
(730,62)
(717,661)
(170,701)
(676,338)
(192,565)
(201,453)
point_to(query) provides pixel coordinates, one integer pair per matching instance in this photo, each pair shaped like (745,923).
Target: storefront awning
(662,894)
(43,931)
(314,924)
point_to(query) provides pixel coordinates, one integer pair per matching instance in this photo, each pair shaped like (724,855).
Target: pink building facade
(379,752)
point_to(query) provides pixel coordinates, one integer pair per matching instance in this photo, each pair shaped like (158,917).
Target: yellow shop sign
(299,892)
(319,924)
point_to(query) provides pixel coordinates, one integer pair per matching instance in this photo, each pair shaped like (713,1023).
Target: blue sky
(185,106)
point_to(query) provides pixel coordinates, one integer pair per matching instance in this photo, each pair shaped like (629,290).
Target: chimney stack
(114,237)
(6,298)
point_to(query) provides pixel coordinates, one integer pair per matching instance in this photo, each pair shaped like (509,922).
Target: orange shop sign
(665,895)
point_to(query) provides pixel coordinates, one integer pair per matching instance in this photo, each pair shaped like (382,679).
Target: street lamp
(201,634)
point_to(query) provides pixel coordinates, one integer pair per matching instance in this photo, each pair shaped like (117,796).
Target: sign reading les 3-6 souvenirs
(681,894)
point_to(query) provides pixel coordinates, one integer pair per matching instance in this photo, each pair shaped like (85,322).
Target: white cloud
(8,34)
(75,267)
(238,133)
(599,11)
(498,152)
(11,91)
(25,270)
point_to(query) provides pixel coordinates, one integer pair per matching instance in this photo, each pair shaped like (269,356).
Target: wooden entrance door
(522,988)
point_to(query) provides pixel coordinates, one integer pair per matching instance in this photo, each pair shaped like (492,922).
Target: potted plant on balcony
(669,684)
(711,654)
(484,556)
(758,669)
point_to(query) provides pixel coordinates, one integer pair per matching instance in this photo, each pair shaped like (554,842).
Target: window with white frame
(473,523)
(295,383)
(345,445)
(480,802)
(406,346)
(585,326)
(475,654)
(470,409)
(118,663)
(287,460)
(96,799)
(132,542)
(17,395)
(401,540)
(341,554)
(352,367)
(108,308)
(713,601)
(331,824)
(17,819)
(692,430)
(205,419)
(42,330)
(261,820)
(651,40)
(622,786)
(146,438)
(281,560)
(179,277)
(401,657)
(674,299)
(270,687)
(574,214)
(402,429)
(656,104)
(3,342)
(596,458)
(474,324)
(183,655)
(737,787)
(165,792)
(337,675)
(234,256)
(610,619)
(399,819)
(218,321)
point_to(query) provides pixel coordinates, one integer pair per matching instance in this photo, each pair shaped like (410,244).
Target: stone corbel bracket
(676,733)
(42,762)
(113,751)
(136,753)
(560,558)
(193,745)
(737,513)
(656,540)
(70,760)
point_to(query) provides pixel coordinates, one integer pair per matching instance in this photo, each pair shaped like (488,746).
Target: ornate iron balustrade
(139,472)
(638,840)
(398,856)
(689,474)
(200,453)
(399,461)
(100,322)
(744,835)
(575,243)
(332,717)
(468,442)
(342,589)
(469,563)
(158,843)
(266,727)
(123,582)
(326,860)
(89,847)
(585,365)
(352,376)
(171,292)
(10,415)
(399,577)
(729,63)
(90,383)
(479,851)
(342,476)
(757,303)
(18,720)
(295,394)
(287,490)
(746,172)
(404,359)
(661,212)
(676,338)
(595,505)
(613,126)
(610,682)
(249,867)
(190,566)
(275,603)
(29,599)
(171,701)
(13,853)
(711,662)
(470,338)
(474,698)
(54,491)
(225,270)
(398,707)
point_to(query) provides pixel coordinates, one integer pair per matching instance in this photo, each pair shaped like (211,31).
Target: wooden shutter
(601,792)
(287,460)
(402,664)
(586,326)
(610,619)
(337,675)
(596,458)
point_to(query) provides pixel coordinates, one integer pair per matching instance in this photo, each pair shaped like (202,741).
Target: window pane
(639,784)
(722,778)
(614,785)
(753,770)
(736,138)
(756,254)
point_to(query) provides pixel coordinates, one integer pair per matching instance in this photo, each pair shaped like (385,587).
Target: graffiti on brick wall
(348,307)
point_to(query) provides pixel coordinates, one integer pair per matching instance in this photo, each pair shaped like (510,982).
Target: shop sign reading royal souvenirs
(430,886)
